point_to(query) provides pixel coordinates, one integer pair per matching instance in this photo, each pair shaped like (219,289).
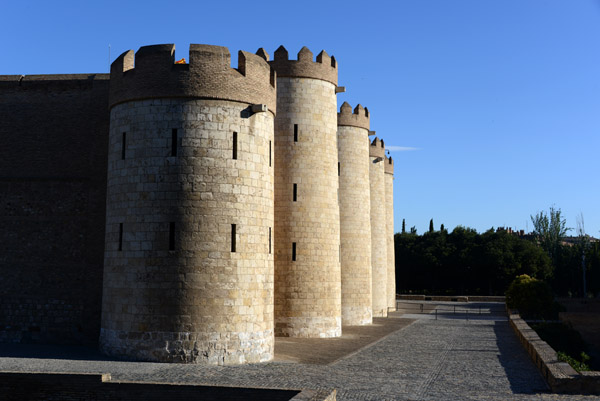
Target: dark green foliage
(567,342)
(431,226)
(532,298)
(403,226)
(465,262)
(580,366)
(567,280)
(442,227)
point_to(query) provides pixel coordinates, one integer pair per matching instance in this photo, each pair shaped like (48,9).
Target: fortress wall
(378,229)
(308,289)
(355,225)
(389,219)
(189,297)
(52,197)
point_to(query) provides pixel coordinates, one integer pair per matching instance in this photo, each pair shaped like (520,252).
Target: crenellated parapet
(377,148)
(359,118)
(389,165)
(152,73)
(325,68)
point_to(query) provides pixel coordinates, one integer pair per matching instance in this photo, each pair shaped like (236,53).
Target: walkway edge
(560,376)
(370,344)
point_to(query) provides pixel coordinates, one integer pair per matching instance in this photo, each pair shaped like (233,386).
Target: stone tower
(355,209)
(378,227)
(188,273)
(307,223)
(389,223)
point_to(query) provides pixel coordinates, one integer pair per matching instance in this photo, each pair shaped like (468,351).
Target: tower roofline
(152,73)
(358,118)
(325,67)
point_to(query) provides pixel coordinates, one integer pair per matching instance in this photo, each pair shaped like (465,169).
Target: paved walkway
(444,359)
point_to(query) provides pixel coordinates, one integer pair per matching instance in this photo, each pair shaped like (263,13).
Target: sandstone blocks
(389,221)
(355,209)
(378,228)
(307,225)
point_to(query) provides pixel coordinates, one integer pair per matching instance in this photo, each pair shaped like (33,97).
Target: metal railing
(439,310)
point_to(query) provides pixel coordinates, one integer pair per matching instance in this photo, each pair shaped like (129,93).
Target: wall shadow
(50,351)
(523,375)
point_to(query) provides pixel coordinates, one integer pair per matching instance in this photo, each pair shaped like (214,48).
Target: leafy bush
(532,298)
(575,364)
(567,342)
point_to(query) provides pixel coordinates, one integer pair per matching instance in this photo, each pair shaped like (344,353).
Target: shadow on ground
(48,351)
(524,377)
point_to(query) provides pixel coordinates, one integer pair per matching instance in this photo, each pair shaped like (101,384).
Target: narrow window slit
(235,145)
(293,251)
(174,142)
(295,132)
(123,145)
(120,236)
(269,240)
(339,169)
(233,244)
(295,196)
(270,150)
(172,236)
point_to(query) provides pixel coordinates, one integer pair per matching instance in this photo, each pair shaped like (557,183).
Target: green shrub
(532,298)
(567,342)
(575,364)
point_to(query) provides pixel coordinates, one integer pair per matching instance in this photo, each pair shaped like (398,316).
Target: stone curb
(560,376)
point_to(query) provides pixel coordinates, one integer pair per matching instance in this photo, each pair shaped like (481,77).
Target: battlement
(152,73)
(359,118)
(325,68)
(389,165)
(377,148)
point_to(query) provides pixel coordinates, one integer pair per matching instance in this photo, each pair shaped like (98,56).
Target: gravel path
(445,359)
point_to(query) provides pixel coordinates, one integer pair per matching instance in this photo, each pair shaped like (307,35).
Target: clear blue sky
(500,99)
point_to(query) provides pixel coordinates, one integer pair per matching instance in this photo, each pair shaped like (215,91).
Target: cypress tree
(403,227)
(431,225)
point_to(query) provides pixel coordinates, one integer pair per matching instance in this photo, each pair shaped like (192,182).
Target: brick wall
(52,198)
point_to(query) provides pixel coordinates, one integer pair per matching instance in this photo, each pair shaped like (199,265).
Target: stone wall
(355,223)
(180,283)
(52,193)
(378,228)
(307,250)
(389,224)
(560,376)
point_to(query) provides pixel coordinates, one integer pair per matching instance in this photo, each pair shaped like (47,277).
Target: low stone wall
(19,386)
(560,376)
(456,298)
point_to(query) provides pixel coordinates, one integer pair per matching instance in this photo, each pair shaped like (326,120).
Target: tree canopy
(465,262)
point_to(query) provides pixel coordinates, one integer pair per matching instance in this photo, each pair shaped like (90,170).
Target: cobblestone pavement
(444,359)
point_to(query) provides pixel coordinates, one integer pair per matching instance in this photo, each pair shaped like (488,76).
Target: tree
(549,230)
(403,226)
(442,229)
(413,230)
(583,242)
(431,226)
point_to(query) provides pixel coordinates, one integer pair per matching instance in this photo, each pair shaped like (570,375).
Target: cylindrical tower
(378,228)
(188,274)
(307,224)
(389,223)
(355,210)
